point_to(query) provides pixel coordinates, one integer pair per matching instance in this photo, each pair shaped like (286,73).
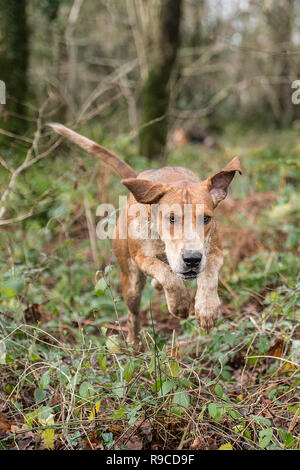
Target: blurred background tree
(152,67)
(155,94)
(280,19)
(14,57)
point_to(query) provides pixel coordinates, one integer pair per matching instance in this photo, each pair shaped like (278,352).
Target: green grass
(68,379)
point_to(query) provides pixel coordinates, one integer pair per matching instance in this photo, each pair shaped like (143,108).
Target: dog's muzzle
(192,259)
(191,265)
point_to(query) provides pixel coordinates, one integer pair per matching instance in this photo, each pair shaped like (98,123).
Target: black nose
(192,258)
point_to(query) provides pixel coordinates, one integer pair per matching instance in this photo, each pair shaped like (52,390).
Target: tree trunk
(281,21)
(14,54)
(155,94)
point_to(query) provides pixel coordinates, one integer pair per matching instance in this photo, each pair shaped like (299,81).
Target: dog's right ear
(144,191)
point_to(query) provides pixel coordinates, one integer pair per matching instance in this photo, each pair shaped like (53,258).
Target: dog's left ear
(218,183)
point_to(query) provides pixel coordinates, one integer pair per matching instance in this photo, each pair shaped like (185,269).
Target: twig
(274,357)
(105,85)
(229,289)
(28,161)
(91,230)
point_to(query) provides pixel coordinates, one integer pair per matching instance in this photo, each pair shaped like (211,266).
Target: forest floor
(68,380)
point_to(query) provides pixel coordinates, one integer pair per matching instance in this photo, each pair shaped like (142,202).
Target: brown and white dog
(184,244)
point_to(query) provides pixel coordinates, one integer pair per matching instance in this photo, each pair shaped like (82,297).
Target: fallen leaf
(2,352)
(226,446)
(48,436)
(276,348)
(288,367)
(95,410)
(15,428)
(294,420)
(113,344)
(197,444)
(134,443)
(145,429)
(32,313)
(115,428)
(5,425)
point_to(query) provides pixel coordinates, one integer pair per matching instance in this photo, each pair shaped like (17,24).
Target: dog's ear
(144,191)
(218,183)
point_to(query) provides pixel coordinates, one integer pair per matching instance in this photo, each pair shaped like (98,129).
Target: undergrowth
(69,379)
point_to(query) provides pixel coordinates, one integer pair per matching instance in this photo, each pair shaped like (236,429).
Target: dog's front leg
(207,302)
(177,296)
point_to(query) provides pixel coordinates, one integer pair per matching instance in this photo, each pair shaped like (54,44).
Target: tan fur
(109,158)
(162,257)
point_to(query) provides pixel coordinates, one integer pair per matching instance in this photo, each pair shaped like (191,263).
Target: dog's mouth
(189,275)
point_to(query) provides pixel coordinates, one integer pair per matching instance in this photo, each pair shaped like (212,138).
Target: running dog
(183,244)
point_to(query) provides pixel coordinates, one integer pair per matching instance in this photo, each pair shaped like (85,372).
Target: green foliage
(70,360)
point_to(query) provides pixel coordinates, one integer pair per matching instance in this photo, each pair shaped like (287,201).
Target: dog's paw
(178,305)
(181,311)
(207,314)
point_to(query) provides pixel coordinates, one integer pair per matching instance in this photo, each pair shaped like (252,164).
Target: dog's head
(183,214)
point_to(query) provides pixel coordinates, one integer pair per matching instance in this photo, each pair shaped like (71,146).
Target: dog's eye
(206,219)
(172,219)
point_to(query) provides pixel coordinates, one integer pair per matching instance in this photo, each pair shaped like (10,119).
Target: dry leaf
(226,446)
(32,313)
(197,444)
(134,443)
(95,411)
(276,348)
(5,425)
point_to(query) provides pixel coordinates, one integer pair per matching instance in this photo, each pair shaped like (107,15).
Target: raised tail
(109,158)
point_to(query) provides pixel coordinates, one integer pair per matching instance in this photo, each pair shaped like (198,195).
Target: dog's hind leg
(133,282)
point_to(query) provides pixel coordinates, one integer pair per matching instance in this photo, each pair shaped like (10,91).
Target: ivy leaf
(219,391)
(101,359)
(39,395)
(119,413)
(216,411)
(101,287)
(287,438)
(265,436)
(262,420)
(181,398)
(45,380)
(128,371)
(63,373)
(167,387)
(86,390)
